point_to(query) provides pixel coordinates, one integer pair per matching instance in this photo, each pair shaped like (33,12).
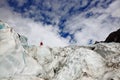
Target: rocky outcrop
(20,61)
(114,36)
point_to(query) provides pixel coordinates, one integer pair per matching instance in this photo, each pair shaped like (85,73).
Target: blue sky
(62,22)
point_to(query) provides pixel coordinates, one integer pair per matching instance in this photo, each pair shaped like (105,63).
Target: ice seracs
(14,59)
(20,61)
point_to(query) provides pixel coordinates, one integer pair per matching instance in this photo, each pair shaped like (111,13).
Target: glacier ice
(1,26)
(14,59)
(20,61)
(23,40)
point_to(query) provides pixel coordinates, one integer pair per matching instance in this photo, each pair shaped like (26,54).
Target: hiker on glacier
(43,53)
(41,43)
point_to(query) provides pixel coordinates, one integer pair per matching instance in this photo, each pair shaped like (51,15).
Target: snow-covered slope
(20,61)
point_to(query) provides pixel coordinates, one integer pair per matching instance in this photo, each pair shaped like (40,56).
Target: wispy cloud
(96,26)
(35,31)
(86,26)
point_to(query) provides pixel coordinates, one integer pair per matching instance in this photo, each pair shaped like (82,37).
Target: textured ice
(1,26)
(20,61)
(14,59)
(23,40)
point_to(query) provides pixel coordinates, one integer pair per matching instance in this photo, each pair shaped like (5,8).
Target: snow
(20,61)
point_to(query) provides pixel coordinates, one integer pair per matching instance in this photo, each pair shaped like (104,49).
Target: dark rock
(113,37)
(98,42)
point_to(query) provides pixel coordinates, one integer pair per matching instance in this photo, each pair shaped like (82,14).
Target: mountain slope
(20,61)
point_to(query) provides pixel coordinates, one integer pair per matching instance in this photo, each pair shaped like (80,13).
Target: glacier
(20,61)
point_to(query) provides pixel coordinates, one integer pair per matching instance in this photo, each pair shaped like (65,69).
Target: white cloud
(35,32)
(114,9)
(97,27)
(3,3)
(21,2)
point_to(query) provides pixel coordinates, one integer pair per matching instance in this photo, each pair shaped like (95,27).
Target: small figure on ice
(41,43)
